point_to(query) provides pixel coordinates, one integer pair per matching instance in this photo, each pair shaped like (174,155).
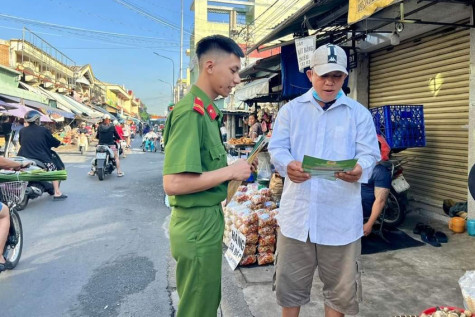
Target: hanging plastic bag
(467,285)
(264,171)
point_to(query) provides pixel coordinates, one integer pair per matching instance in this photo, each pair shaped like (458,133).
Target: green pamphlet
(326,169)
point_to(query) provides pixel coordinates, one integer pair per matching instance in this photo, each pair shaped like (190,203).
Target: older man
(321,221)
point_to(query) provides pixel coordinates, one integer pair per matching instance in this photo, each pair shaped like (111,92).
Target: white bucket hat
(329,58)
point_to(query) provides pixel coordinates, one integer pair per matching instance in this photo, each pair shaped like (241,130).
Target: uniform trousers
(196,236)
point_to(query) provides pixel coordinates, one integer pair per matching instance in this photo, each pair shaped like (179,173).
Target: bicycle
(12,195)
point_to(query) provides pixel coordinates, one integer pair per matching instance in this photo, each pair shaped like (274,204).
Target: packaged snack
(246,216)
(265,231)
(267,240)
(256,206)
(265,220)
(226,241)
(252,238)
(252,228)
(265,258)
(265,192)
(262,211)
(252,188)
(270,205)
(250,249)
(247,204)
(266,249)
(248,259)
(258,199)
(242,189)
(237,222)
(241,197)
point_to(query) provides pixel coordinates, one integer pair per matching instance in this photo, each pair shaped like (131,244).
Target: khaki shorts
(338,268)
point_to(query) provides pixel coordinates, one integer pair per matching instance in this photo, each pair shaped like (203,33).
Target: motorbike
(34,189)
(103,163)
(396,204)
(12,193)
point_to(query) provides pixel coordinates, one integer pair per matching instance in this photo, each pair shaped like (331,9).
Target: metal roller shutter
(432,71)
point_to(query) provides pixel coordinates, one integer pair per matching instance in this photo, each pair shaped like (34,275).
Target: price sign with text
(237,244)
(305,47)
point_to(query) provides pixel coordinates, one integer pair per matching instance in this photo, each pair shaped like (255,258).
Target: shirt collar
(196,91)
(342,101)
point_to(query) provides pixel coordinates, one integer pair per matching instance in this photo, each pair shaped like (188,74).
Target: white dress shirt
(328,212)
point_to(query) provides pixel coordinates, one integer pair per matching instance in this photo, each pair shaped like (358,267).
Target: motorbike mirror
(471,181)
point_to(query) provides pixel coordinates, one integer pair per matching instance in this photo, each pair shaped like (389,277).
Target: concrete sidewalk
(401,282)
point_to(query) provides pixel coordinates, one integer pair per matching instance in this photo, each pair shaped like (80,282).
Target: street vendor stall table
(240,149)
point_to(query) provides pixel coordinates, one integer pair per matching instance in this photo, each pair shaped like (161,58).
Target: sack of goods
(276,186)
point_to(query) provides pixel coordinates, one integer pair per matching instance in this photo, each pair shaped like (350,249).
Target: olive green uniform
(193,144)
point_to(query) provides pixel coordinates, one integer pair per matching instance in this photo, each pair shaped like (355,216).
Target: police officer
(196,174)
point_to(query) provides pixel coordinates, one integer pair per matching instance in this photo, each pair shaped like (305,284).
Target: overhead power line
(148,15)
(58,26)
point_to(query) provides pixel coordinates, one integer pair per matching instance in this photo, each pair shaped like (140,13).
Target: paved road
(101,252)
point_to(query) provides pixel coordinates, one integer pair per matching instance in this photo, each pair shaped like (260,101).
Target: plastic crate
(401,125)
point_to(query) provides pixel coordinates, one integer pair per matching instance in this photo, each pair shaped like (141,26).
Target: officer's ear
(209,65)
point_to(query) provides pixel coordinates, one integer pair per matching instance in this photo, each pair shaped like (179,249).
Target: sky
(117,38)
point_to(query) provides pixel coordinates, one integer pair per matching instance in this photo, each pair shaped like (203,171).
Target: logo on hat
(332,58)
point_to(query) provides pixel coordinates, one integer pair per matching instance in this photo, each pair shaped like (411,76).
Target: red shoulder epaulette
(212,114)
(198,106)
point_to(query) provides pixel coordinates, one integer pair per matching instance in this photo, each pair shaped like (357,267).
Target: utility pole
(181,54)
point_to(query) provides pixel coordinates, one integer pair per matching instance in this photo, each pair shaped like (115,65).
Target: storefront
(430,70)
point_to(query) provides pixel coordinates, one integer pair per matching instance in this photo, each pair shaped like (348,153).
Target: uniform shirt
(328,212)
(193,145)
(36,143)
(381,178)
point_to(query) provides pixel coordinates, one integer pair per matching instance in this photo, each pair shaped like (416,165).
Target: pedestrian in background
(321,221)
(224,132)
(17,125)
(255,128)
(126,129)
(195,177)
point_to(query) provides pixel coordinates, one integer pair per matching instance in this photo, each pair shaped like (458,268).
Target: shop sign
(237,244)
(362,9)
(305,47)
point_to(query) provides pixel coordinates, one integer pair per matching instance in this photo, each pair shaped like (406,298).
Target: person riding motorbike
(36,143)
(5,212)
(107,135)
(149,141)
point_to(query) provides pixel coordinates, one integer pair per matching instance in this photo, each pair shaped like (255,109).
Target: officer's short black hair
(217,42)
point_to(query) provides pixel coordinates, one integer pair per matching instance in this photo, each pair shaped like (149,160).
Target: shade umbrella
(19,111)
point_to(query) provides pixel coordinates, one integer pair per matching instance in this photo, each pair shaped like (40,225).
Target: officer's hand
(254,164)
(351,176)
(240,170)
(296,173)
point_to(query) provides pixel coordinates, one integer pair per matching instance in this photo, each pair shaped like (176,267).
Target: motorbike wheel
(395,209)
(23,203)
(81,148)
(100,173)
(14,245)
